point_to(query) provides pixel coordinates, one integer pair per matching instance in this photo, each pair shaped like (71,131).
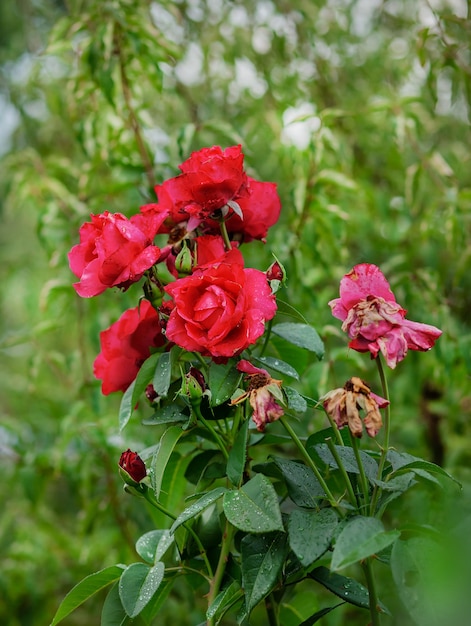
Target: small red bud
(132,467)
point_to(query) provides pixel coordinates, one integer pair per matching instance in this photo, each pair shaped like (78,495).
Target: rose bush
(220,309)
(114,251)
(125,345)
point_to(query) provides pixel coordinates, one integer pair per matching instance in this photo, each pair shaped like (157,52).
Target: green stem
(373,598)
(363,479)
(267,337)
(346,478)
(221,567)
(387,429)
(149,496)
(336,430)
(211,429)
(225,236)
(310,463)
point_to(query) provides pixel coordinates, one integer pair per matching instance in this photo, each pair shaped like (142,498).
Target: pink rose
(373,319)
(113,251)
(220,309)
(125,345)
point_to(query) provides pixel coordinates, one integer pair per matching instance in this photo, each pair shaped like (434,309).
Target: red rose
(133,466)
(125,345)
(260,209)
(210,178)
(220,309)
(113,251)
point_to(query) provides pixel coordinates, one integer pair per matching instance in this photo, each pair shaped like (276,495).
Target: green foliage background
(359,110)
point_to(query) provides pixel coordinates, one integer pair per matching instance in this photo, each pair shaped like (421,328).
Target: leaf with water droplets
(254,507)
(310,533)
(154,544)
(137,586)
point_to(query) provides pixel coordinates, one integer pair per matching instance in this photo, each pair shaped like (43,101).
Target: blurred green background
(358,109)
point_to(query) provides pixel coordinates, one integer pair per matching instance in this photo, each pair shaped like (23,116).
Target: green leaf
(346,588)
(160,459)
(296,402)
(360,538)
(113,613)
(277,365)
(86,589)
(349,461)
(301,335)
(223,381)
(262,557)
(168,414)
(137,585)
(200,505)
(162,374)
(144,376)
(199,464)
(254,507)
(319,615)
(153,545)
(238,456)
(303,487)
(223,601)
(126,407)
(403,461)
(310,533)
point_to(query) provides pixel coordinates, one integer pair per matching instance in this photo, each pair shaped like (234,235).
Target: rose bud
(194,387)
(184,261)
(276,275)
(132,467)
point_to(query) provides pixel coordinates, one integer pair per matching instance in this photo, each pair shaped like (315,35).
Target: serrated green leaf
(310,533)
(254,507)
(86,589)
(144,376)
(403,462)
(303,487)
(161,457)
(360,538)
(319,615)
(296,402)
(348,459)
(137,586)
(197,507)
(262,557)
(113,613)
(168,414)
(301,335)
(238,456)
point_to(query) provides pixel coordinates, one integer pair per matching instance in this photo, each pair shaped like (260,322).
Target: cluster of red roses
(215,306)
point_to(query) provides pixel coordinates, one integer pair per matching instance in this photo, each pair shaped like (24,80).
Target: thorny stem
(221,567)
(311,464)
(387,429)
(149,496)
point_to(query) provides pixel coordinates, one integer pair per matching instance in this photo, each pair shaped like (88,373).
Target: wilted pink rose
(373,319)
(133,466)
(125,345)
(261,394)
(220,309)
(343,405)
(113,251)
